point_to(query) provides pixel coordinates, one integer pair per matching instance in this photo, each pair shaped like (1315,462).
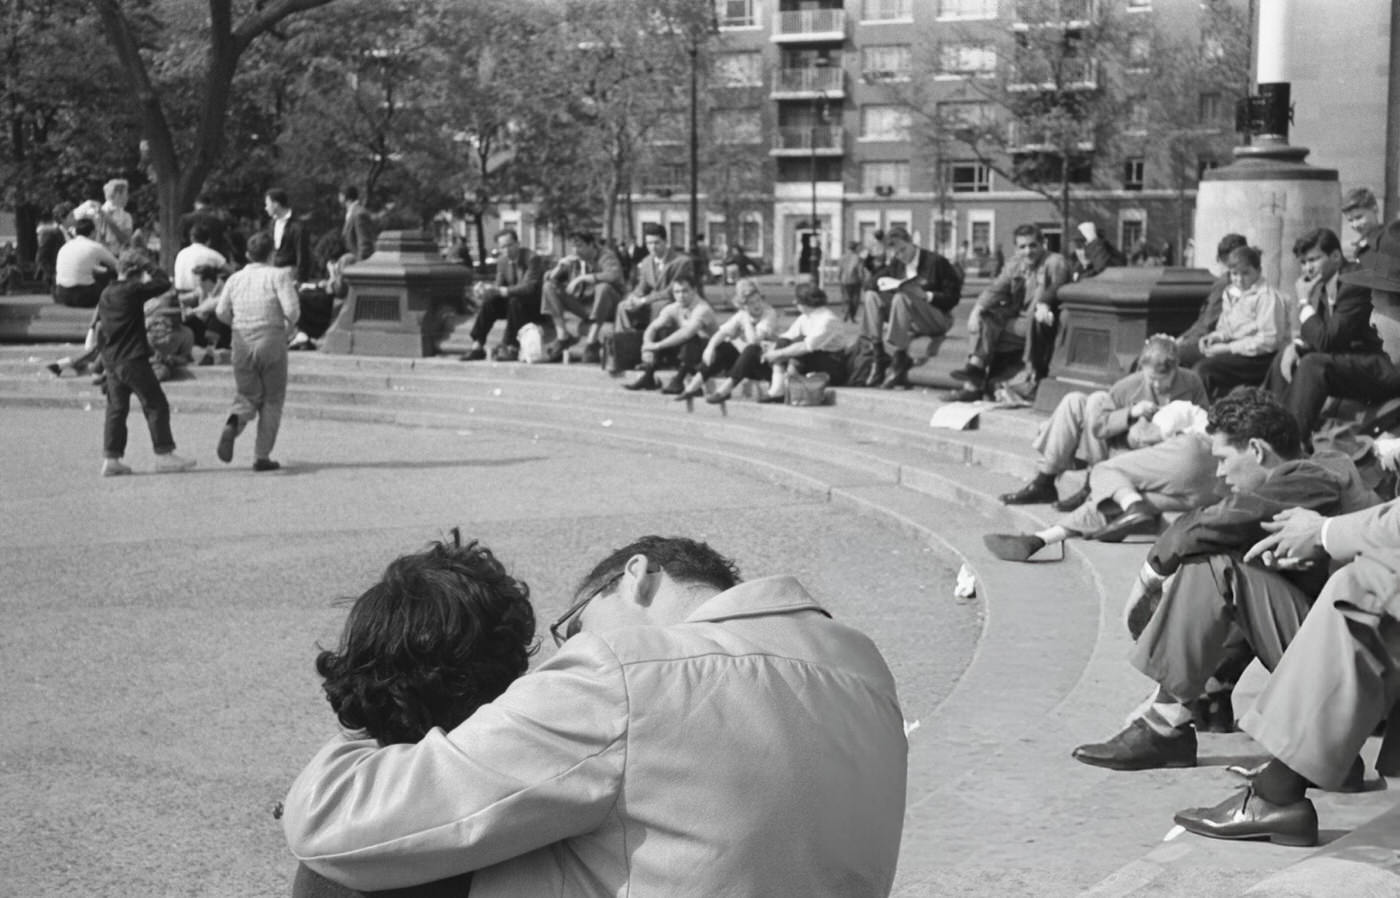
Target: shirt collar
(756,598)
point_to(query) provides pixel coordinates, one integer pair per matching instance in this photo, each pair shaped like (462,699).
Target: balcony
(810,83)
(1075,74)
(1055,14)
(806,140)
(812,25)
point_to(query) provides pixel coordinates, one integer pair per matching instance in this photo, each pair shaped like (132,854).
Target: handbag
(809,389)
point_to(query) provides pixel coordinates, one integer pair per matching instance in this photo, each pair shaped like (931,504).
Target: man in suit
(359,231)
(587,282)
(515,297)
(1338,679)
(921,304)
(655,273)
(290,238)
(1337,351)
(1196,597)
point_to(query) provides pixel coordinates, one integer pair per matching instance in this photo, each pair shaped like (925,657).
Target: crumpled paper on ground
(966,586)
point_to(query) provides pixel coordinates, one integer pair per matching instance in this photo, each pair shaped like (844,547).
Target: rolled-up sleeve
(541,764)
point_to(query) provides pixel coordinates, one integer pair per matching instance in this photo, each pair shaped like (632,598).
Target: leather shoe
(674,387)
(1072,501)
(1245,815)
(1037,492)
(1139,747)
(1013,546)
(646,382)
(770,399)
(474,355)
(968,372)
(1138,519)
(969,393)
(718,397)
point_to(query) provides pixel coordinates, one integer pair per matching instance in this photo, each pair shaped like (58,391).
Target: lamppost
(819,115)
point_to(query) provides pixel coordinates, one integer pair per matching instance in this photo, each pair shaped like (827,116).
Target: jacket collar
(756,598)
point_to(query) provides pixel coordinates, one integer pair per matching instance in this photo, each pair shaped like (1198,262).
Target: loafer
(1139,747)
(474,355)
(1139,519)
(1245,815)
(770,399)
(646,382)
(1072,501)
(969,393)
(1013,546)
(719,397)
(1037,492)
(968,372)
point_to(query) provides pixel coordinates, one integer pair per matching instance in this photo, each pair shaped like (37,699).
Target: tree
(182,159)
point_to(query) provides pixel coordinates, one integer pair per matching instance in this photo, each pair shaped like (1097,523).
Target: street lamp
(819,115)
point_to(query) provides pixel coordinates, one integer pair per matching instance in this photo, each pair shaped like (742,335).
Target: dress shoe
(476,354)
(592,354)
(718,397)
(1038,492)
(265,464)
(692,392)
(1072,501)
(1013,546)
(971,371)
(675,386)
(973,392)
(1139,747)
(1139,519)
(1245,815)
(226,438)
(770,399)
(646,382)
(898,377)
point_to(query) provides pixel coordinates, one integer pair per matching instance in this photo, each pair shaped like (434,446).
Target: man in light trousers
(260,304)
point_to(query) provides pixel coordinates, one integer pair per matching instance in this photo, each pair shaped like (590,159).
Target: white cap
(1090,232)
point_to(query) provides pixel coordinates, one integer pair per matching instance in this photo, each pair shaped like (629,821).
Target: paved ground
(159,630)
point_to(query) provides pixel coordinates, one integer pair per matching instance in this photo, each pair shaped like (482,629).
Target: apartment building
(816,92)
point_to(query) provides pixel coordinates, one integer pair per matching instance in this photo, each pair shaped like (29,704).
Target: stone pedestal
(1105,320)
(397,298)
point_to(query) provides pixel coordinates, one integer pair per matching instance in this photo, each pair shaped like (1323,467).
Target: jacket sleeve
(940,280)
(1114,419)
(541,764)
(609,269)
(1347,325)
(1210,312)
(1374,531)
(530,276)
(1236,522)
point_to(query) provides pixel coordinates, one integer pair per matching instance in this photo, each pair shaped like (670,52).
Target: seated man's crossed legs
(995,331)
(1065,442)
(1127,495)
(910,315)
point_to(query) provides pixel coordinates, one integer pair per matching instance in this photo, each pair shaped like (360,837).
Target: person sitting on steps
(734,353)
(681,330)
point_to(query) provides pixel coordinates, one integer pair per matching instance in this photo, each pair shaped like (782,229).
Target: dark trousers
(123,379)
(732,363)
(1222,373)
(832,364)
(84,297)
(518,311)
(1370,377)
(851,292)
(685,358)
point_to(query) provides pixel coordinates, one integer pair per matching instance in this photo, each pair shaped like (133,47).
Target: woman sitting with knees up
(734,353)
(814,343)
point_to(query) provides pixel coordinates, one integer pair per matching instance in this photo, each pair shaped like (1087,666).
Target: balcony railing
(814,24)
(1079,74)
(810,80)
(823,139)
(1063,13)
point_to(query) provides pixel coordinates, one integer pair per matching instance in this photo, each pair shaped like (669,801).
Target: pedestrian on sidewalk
(260,303)
(126,357)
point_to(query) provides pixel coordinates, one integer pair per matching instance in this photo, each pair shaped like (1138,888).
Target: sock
(1278,783)
(1167,717)
(1043,478)
(1051,535)
(1127,498)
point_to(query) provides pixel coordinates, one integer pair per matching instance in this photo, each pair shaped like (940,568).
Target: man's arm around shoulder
(539,765)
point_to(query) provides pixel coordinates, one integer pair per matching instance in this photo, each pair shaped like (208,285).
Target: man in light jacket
(696,736)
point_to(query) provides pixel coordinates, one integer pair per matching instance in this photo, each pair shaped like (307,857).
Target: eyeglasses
(571,621)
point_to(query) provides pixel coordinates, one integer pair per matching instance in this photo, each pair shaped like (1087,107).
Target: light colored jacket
(755,750)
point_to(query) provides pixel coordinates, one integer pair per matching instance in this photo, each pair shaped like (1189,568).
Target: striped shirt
(259,301)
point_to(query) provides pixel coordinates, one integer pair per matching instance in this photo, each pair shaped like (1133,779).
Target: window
(884,174)
(884,123)
(967,9)
(885,63)
(666,178)
(736,13)
(737,126)
(1132,173)
(981,237)
(976,117)
(751,233)
(967,60)
(968,177)
(1132,231)
(1212,108)
(888,10)
(1139,114)
(1139,52)
(678,236)
(738,70)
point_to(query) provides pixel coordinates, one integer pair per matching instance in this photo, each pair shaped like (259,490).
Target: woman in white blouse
(734,352)
(813,343)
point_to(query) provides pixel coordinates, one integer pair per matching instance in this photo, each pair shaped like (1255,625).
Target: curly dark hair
(1248,413)
(442,633)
